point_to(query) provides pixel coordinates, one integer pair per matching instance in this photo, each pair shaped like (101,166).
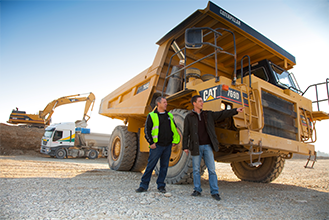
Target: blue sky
(50,49)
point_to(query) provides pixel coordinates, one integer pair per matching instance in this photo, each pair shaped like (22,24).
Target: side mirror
(193,38)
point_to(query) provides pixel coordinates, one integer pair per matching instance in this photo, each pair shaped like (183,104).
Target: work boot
(216,196)
(140,190)
(196,193)
(162,189)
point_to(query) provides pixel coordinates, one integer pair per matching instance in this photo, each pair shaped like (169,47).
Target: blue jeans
(162,153)
(205,151)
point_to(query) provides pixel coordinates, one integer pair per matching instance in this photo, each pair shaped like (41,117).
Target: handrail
(217,49)
(249,68)
(316,92)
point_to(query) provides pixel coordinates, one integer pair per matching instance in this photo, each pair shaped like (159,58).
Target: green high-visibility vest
(155,128)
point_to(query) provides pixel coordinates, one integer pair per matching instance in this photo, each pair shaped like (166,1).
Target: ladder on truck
(253,115)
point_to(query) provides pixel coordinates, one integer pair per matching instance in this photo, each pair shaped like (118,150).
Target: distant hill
(319,155)
(322,154)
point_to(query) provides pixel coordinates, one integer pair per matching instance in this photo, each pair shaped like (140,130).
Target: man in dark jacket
(200,138)
(161,133)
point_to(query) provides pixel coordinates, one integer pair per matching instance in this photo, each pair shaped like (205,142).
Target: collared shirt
(202,129)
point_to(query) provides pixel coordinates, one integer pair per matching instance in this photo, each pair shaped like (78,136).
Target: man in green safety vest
(161,133)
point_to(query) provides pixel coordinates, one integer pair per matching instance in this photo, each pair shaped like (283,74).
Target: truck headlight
(222,106)
(225,106)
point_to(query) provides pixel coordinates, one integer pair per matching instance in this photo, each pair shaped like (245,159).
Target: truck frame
(216,55)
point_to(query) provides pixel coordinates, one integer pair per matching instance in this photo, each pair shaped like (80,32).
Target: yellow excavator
(44,117)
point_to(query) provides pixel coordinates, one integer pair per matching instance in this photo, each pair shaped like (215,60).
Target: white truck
(61,140)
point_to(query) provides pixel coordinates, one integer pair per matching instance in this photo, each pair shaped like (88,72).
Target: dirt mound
(19,140)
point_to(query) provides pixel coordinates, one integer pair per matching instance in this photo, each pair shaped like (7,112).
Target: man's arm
(148,130)
(186,133)
(177,130)
(221,115)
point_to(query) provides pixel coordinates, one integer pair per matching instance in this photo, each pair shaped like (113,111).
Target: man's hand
(174,145)
(153,146)
(240,109)
(186,151)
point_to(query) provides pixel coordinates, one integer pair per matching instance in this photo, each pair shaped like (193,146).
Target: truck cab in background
(61,140)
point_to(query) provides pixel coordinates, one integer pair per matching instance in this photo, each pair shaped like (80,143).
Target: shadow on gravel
(248,189)
(42,157)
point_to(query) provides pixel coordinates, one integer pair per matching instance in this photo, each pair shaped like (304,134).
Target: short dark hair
(158,100)
(194,98)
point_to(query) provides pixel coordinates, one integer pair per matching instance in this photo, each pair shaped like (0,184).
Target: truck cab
(57,137)
(272,73)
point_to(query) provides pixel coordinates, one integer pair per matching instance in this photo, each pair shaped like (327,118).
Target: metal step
(309,159)
(255,164)
(251,153)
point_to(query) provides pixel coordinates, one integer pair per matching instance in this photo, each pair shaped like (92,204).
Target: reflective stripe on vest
(155,128)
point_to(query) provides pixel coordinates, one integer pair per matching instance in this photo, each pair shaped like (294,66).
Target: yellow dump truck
(216,55)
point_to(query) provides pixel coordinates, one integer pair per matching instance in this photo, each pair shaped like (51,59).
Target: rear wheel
(268,171)
(92,154)
(180,170)
(60,153)
(122,149)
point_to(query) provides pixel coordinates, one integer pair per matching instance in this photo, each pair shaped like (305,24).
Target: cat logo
(209,94)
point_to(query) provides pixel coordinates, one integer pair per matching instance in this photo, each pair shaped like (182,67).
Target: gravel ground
(38,187)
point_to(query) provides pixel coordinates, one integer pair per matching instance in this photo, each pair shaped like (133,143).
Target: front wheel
(122,149)
(268,171)
(60,153)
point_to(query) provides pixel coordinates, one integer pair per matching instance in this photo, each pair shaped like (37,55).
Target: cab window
(260,73)
(58,135)
(284,78)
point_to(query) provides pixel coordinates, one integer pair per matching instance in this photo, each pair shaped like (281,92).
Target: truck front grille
(279,117)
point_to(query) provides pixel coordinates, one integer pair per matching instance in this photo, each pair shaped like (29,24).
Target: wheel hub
(61,153)
(116,148)
(176,152)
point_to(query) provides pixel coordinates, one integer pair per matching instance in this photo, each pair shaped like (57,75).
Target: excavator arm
(49,109)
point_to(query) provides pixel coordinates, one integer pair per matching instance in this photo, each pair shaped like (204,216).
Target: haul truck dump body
(216,55)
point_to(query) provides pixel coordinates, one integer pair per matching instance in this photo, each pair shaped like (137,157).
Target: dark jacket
(165,134)
(190,135)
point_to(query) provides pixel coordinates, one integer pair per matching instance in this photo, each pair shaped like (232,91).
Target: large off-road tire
(60,153)
(141,159)
(122,149)
(180,170)
(268,171)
